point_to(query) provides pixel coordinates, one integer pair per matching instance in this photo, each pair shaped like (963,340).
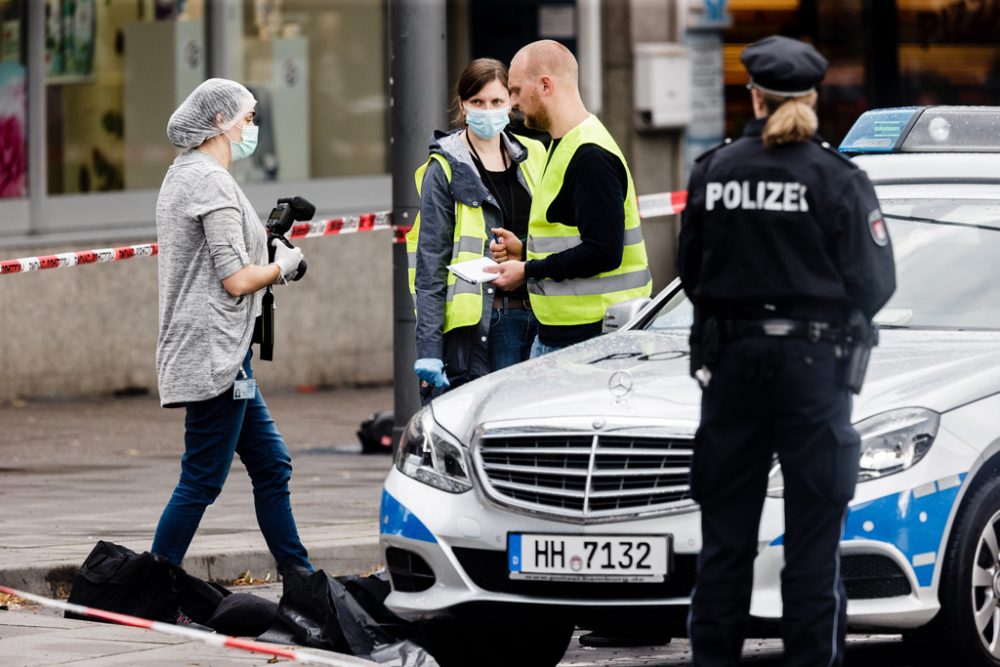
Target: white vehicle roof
(944,168)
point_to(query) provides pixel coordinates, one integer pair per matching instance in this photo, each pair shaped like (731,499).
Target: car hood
(641,374)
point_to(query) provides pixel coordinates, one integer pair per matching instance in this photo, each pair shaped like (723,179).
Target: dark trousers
(214,430)
(767,396)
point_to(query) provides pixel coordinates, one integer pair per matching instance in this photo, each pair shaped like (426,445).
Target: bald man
(584,250)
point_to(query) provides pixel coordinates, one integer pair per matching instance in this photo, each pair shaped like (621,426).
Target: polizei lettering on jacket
(754,196)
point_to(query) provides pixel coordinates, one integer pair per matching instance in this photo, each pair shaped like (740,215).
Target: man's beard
(540,120)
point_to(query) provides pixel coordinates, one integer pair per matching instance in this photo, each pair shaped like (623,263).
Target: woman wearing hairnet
(212,270)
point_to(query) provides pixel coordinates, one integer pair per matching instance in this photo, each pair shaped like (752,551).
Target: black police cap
(784,66)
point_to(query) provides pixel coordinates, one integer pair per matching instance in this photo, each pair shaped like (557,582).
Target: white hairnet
(211,109)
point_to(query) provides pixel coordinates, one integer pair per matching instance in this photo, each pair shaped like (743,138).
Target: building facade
(86,87)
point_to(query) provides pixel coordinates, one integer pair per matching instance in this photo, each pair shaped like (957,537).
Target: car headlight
(891,442)
(894,441)
(425,455)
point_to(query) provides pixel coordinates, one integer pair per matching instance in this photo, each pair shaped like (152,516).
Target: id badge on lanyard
(245,389)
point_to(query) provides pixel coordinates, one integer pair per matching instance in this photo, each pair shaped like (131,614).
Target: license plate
(591,558)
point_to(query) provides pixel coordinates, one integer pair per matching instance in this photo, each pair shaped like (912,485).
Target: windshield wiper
(931,221)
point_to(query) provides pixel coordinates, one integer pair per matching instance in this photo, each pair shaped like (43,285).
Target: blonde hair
(790,120)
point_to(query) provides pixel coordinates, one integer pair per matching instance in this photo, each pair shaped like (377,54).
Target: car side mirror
(619,314)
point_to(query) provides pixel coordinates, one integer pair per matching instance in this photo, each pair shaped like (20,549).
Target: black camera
(288,210)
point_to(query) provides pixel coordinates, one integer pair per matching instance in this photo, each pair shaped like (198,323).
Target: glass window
(115,71)
(937,238)
(317,69)
(948,51)
(910,52)
(835,27)
(932,239)
(13,92)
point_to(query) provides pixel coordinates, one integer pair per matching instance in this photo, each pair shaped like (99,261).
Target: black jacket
(797,228)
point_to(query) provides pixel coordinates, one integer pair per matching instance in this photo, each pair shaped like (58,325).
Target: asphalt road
(862,651)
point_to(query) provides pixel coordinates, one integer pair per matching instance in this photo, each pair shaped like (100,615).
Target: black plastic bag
(117,579)
(375,433)
(345,614)
(348,615)
(243,615)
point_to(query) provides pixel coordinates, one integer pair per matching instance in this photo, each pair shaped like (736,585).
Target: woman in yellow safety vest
(477,178)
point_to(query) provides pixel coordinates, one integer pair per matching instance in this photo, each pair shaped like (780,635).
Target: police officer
(782,244)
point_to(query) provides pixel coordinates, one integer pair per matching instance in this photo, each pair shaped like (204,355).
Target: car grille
(588,476)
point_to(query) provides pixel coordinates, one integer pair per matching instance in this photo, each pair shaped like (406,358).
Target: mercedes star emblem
(620,384)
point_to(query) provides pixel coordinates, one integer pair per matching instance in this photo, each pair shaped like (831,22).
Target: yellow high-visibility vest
(464,301)
(582,300)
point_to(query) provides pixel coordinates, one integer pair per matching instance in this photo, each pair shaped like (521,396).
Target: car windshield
(945,250)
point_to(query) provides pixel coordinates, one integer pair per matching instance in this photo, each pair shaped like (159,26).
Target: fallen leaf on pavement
(11,602)
(377,567)
(247,579)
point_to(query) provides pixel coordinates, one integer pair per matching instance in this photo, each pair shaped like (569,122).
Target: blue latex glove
(431,371)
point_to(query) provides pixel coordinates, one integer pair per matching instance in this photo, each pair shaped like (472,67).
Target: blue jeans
(511,334)
(538,348)
(213,430)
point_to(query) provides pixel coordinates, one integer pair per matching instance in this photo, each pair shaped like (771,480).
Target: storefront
(108,73)
(881,52)
(104,76)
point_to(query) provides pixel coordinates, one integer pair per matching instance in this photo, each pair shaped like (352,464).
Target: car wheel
(493,643)
(967,629)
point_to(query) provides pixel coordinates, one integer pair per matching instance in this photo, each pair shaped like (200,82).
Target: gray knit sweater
(207,230)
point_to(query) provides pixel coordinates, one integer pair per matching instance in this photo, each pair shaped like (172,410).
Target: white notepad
(472,270)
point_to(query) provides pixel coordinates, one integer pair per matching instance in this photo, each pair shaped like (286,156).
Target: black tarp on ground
(348,615)
(343,614)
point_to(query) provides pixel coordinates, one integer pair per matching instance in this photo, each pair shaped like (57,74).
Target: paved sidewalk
(36,640)
(74,472)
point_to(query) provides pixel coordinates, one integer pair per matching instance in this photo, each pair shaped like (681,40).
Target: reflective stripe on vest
(553,244)
(464,301)
(583,300)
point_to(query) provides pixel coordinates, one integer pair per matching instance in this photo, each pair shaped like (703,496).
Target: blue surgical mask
(487,123)
(248,143)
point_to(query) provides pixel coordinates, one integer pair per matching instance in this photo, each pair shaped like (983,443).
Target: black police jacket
(796,229)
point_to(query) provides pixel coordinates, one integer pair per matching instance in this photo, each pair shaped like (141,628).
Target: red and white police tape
(210,638)
(652,205)
(662,203)
(350,224)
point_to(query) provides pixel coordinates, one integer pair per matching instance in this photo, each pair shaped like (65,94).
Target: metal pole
(38,181)
(418,92)
(224,20)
